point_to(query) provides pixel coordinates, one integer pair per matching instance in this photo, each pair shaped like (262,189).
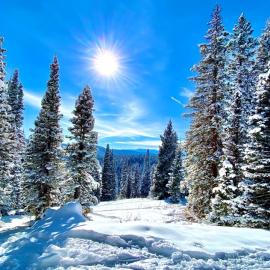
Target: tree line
(228,143)
(39,172)
(223,166)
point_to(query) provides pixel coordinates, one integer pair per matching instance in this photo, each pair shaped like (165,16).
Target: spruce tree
(256,186)
(124,180)
(135,178)
(263,52)
(241,72)
(82,161)
(6,139)
(146,176)
(166,156)
(203,142)
(108,192)
(176,177)
(43,164)
(225,202)
(15,100)
(129,183)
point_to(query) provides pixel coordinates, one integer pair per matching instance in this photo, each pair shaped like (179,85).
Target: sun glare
(106,63)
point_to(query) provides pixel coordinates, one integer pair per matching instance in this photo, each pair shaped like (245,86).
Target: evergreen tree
(82,151)
(6,139)
(241,72)
(146,176)
(225,204)
(108,192)
(15,100)
(166,156)
(124,181)
(129,184)
(256,186)
(43,165)
(135,178)
(263,52)
(176,177)
(203,142)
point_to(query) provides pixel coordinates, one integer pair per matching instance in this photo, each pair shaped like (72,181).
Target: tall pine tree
(135,180)
(166,156)
(108,191)
(203,142)
(146,176)
(124,180)
(241,72)
(43,165)
(15,100)
(224,204)
(263,52)
(256,186)
(176,177)
(6,139)
(82,153)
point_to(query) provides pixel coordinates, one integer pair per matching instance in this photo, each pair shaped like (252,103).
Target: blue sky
(157,42)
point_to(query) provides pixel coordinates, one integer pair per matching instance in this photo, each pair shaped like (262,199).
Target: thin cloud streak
(187,93)
(122,124)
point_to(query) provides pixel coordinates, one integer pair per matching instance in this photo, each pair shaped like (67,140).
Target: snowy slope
(131,234)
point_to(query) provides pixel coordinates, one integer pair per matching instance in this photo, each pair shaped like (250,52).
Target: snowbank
(131,234)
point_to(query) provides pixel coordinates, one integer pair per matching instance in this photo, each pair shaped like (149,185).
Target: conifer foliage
(146,176)
(43,166)
(108,192)
(176,177)
(166,156)
(124,181)
(203,142)
(15,100)
(256,187)
(82,159)
(225,209)
(241,72)
(6,138)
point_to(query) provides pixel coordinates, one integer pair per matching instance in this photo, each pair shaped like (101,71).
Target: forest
(222,166)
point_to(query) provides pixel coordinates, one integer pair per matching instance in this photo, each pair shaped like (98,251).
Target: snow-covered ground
(129,234)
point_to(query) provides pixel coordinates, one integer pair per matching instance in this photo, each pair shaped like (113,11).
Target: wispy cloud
(178,101)
(125,123)
(187,93)
(34,100)
(153,144)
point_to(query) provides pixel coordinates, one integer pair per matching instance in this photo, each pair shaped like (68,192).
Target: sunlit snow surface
(129,234)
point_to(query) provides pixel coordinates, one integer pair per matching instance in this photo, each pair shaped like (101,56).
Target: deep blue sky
(156,40)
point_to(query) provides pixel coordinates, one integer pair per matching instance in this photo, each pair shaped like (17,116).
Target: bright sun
(106,63)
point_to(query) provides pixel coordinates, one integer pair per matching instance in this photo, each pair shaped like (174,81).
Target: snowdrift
(122,235)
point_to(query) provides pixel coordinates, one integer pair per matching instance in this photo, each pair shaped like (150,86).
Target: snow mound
(139,234)
(24,246)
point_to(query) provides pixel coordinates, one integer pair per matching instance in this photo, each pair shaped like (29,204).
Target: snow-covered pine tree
(203,141)
(135,182)
(82,160)
(263,52)
(124,180)
(43,159)
(256,186)
(146,176)
(166,156)
(6,139)
(176,177)
(108,191)
(241,75)
(225,204)
(15,100)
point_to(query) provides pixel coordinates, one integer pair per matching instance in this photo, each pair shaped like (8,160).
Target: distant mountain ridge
(126,152)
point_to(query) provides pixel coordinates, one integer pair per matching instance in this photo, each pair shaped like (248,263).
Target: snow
(129,234)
